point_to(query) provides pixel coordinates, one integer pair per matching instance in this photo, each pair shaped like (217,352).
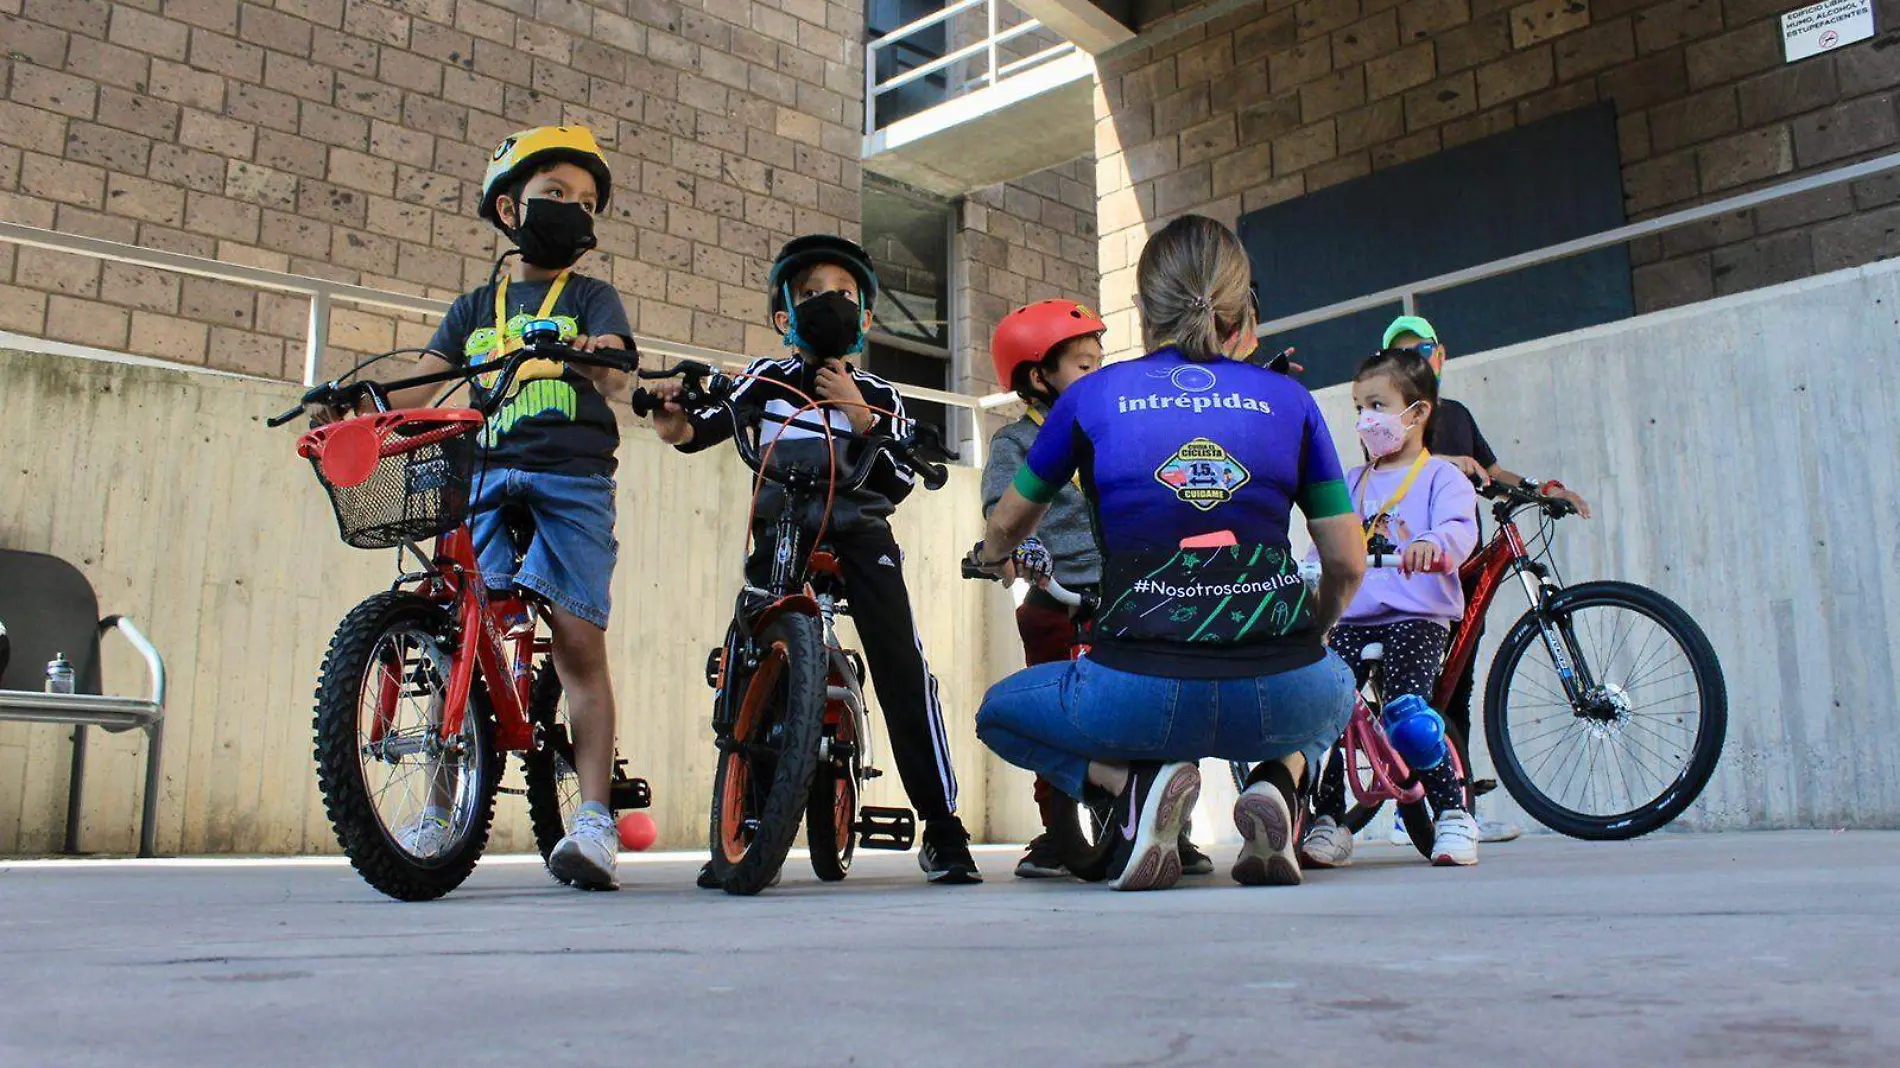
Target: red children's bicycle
(426,686)
(1605,709)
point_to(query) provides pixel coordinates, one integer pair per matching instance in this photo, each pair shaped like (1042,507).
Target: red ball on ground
(637,831)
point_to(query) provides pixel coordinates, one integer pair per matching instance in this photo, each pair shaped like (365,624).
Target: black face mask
(553,233)
(828,326)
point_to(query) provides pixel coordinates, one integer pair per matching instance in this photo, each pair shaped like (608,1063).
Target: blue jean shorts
(570,559)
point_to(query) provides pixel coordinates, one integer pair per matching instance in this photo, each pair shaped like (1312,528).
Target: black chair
(48,607)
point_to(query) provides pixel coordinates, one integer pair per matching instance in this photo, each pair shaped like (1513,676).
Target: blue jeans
(1054,718)
(570,560)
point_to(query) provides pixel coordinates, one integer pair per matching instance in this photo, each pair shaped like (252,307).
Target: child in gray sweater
(1039,351)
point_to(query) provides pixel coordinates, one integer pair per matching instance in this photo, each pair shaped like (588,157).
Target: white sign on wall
(1825,26)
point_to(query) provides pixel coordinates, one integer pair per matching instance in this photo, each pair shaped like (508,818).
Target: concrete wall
(1270,100)
(1739,456)
(165,488)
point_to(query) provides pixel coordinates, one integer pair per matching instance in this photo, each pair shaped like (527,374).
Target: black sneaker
(1193,861)
(1147,825)
(1043,861)
(945,856)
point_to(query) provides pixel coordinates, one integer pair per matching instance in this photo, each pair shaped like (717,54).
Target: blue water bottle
(1416,731)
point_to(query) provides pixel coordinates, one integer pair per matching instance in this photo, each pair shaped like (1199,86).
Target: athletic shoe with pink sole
(1267,838)
(1148,818)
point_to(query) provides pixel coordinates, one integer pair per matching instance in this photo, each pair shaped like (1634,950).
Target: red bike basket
(396,477)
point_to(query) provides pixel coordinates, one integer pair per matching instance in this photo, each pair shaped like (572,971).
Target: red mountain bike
(1606,709)
(789,714)
(427,685)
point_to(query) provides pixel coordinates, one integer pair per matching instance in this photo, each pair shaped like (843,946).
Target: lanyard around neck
(1411,476)
(502,346)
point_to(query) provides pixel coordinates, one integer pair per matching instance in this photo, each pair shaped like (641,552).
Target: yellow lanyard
(1036,417)
(502,345)
(1365,475)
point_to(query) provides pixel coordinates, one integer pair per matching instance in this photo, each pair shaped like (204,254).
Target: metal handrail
(322,291)
(992,72)
(1407,295)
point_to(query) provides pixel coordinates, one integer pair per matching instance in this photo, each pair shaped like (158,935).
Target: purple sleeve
(1322,491)
(1454,512)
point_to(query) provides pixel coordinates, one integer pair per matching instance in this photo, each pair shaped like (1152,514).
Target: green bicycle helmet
(802,252)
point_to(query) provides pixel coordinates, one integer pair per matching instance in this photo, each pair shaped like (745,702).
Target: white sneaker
(590,853)
(1454,839)
(1327,845)
(1497,830)
(427,838)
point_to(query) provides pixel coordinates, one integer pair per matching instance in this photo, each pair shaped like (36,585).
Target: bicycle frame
(1506,554)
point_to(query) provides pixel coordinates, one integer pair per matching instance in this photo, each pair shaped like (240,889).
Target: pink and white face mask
(1382,433)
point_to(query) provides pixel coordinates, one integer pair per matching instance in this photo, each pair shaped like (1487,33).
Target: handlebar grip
(934,476)
(971,571)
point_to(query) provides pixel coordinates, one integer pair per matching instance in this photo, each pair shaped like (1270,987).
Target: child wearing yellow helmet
(549,449)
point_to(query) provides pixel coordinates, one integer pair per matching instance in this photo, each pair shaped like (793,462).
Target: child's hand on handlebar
(669,419)
(1031,561)
(1419,557)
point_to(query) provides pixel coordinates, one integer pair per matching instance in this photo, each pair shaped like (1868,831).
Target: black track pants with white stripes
(873,569)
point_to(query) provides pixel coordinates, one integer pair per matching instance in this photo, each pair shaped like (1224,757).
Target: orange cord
(831,465)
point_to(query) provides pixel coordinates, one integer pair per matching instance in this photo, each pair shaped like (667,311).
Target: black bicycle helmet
(802,252)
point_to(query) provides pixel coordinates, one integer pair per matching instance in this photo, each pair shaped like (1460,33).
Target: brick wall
(346,139)
(1024,241)
(1277,99)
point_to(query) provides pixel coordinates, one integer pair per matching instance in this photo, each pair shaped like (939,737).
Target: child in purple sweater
(1426,511)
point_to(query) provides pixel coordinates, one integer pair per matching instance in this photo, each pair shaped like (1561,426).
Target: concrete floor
(1734,949)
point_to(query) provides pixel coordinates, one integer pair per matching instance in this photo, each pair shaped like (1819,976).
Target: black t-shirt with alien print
(554,419)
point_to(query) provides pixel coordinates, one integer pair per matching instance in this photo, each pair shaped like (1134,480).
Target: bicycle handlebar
(1528,495)
(542,343)
(703,386)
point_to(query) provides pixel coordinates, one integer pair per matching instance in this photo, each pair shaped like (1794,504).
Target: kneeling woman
(1207,643)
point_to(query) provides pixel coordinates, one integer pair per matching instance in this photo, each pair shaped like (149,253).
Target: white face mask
(1382,433)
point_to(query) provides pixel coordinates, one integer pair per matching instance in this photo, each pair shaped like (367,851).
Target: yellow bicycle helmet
(519,154)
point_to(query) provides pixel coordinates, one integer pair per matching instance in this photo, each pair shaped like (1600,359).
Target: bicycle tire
(1711,715)
(360,831)
(745,861)
(831,817)
(552,782)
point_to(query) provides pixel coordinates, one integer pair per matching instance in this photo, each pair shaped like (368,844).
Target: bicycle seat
(1374,651)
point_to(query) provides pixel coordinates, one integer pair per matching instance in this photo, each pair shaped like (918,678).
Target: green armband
(1323,500)
(1038,491)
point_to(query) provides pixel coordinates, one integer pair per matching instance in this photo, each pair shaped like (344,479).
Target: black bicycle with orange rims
(789,715)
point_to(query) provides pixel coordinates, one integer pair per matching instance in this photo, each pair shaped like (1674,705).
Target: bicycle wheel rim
(1635,751)
(405,767)
(743,793)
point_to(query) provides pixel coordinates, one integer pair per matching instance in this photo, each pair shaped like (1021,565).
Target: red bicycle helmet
(1028,334)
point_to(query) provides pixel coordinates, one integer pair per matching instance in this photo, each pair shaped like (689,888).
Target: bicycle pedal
(871,773)
(624,794)
(886,828)
(1480,787)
